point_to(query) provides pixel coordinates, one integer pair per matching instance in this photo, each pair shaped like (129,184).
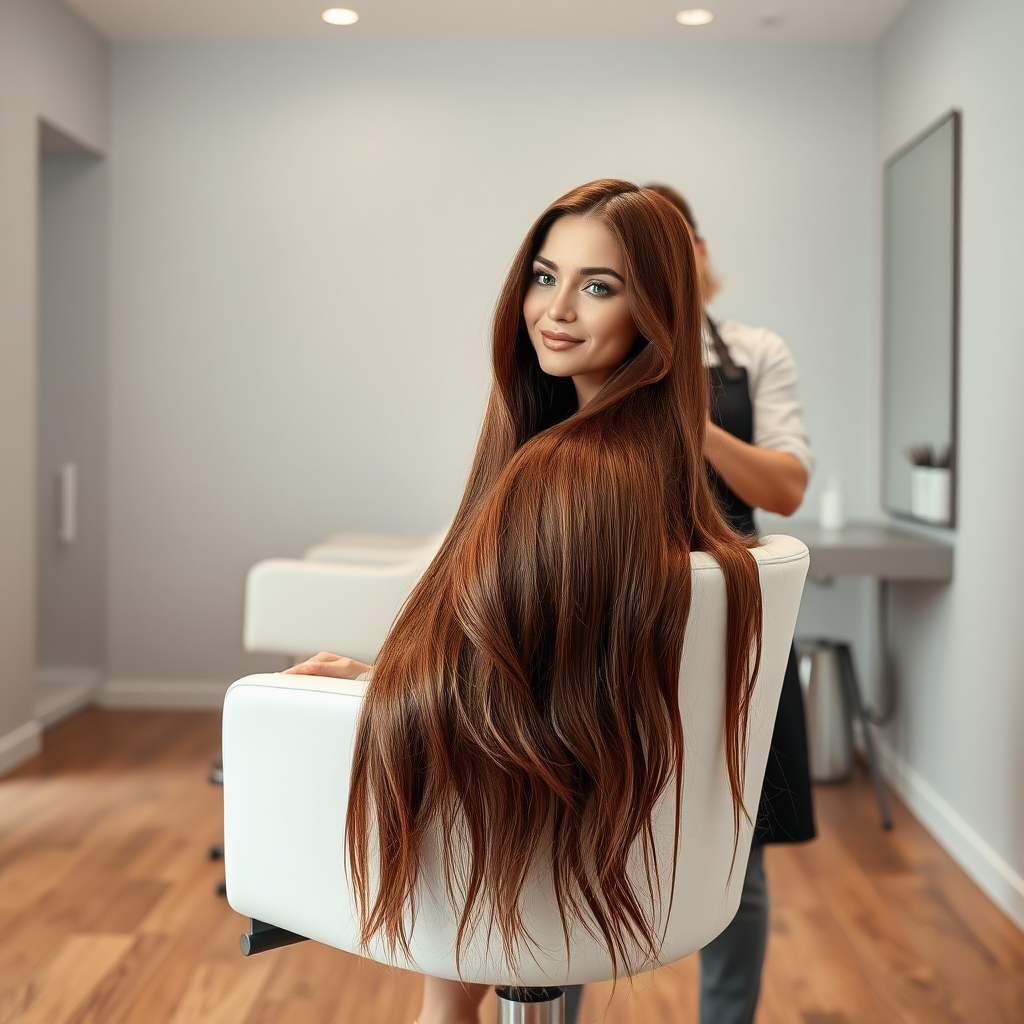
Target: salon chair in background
(374,548)
(287,757)
(341,596)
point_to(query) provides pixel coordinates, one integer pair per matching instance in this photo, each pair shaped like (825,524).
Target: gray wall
(956,745)
(52,66)
(74,264)
(308,240)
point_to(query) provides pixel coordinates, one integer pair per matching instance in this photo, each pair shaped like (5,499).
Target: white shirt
(774,387)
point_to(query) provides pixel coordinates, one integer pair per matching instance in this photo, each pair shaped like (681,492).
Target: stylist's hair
(710,285)
(525,703)
(676,199)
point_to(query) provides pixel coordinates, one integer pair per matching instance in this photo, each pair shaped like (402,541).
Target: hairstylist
(760,457)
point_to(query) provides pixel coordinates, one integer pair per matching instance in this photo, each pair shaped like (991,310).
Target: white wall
(308,240)
(956,745)
(51,66)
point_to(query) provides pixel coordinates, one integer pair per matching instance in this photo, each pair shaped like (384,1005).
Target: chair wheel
(221,888)
(216,852)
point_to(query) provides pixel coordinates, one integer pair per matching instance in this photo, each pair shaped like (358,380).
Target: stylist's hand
(326,664)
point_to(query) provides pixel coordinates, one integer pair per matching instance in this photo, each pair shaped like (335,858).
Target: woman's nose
(562,307)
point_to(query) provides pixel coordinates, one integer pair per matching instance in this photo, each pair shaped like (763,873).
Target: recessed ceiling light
(695,16)
(340,16)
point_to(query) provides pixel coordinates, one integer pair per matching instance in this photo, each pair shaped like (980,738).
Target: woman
(531,678)
(760,456)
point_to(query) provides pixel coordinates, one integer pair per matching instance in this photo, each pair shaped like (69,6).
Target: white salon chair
(287,756)
(374,548)
(342,595)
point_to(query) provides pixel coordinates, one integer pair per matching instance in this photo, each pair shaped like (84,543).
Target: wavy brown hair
(527,694)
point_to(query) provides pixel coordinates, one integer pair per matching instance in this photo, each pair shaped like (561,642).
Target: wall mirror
(921,189)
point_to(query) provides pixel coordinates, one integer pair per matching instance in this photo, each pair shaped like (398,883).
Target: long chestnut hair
(526,697)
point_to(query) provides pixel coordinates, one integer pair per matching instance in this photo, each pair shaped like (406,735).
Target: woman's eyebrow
(583,271)
(601,270)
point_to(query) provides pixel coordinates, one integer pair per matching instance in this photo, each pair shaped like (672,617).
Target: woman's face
(576,308)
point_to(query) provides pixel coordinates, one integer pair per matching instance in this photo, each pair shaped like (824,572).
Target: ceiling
(760,20)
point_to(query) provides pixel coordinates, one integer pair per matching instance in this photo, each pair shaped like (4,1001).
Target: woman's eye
(542,278)
(598,288)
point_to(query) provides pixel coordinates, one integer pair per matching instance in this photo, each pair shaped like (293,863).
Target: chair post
(531,1005)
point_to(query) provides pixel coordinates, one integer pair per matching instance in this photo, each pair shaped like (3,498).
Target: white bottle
(830,513)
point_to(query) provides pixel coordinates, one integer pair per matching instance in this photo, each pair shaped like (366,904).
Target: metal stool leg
(216,852)
(849,677)
(531,1005)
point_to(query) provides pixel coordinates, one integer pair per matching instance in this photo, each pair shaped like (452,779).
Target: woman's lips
(559,342)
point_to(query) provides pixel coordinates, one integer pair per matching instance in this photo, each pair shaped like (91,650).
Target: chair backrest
(287,759)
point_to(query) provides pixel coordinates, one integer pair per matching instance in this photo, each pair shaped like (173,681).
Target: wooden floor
(108,914)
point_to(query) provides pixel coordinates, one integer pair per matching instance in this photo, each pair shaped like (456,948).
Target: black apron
(786,812)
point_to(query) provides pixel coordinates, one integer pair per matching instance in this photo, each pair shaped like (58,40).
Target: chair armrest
(287,743)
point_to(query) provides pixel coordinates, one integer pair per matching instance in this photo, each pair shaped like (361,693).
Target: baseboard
(1003,885)
(54,676)
(63,692)
(19,745)
(182,694)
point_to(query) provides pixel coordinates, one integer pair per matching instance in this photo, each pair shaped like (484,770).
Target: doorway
(71,427)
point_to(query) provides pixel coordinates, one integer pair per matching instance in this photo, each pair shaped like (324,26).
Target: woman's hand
(327,664)
(765,479)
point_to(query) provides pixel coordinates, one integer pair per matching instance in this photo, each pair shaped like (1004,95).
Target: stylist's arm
(770,480)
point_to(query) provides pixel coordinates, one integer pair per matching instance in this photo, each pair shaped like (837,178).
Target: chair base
(263,936)
(515,1005)
(531,1005)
